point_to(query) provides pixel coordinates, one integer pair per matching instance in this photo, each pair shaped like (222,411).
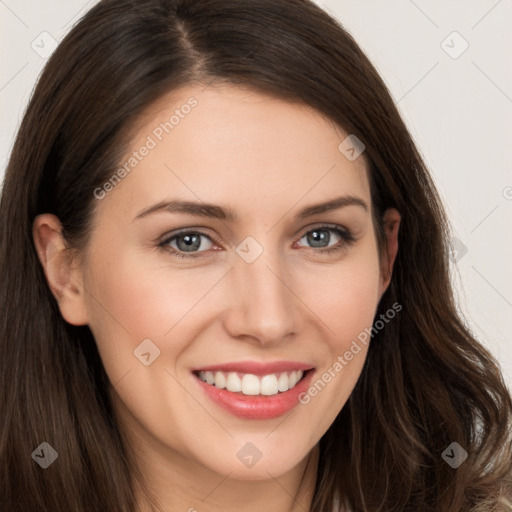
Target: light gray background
(458,108)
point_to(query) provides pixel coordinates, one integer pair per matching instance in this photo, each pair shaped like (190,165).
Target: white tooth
(250,384)
(269,385)
(220,380)
(282,384)
(233,383)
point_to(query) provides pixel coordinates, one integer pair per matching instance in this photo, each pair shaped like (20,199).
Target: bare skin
(266,160)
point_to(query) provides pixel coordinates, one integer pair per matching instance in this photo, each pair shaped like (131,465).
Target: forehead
(233,145)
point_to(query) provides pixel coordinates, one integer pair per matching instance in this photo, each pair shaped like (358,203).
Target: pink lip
(256,367)
(256,407)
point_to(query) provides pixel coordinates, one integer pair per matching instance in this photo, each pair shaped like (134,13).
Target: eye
(186,243)
(190,244)
(321,236)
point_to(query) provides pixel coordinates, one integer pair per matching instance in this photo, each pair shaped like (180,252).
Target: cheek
(348,301)
(347,307)
(144,300)
(134,300)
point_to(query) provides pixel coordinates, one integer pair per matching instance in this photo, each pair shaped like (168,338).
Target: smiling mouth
(250,384)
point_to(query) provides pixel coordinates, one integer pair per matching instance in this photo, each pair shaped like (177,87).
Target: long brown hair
(426,382)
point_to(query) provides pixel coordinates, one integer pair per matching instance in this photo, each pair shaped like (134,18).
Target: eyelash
(347,238)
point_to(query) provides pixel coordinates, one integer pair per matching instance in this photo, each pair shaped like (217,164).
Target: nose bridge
(263,303)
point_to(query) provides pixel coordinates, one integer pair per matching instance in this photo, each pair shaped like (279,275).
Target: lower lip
(257,407)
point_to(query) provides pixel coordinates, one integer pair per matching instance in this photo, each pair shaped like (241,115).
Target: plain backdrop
(447,65)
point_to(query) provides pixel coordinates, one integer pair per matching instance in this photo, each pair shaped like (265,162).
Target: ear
(63,276)
(391,223)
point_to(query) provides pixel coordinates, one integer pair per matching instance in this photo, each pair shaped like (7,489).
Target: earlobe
(64,280)
(391,223)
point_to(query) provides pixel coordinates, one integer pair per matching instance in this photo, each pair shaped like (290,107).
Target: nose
(261,302)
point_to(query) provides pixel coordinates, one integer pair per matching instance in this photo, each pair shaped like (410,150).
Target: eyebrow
(227,214)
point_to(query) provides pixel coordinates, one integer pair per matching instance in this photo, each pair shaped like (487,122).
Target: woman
(225,280)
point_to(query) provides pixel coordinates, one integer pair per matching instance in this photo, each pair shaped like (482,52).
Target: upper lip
(257,367)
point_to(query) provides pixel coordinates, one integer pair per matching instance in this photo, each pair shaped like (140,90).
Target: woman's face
(258,279)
